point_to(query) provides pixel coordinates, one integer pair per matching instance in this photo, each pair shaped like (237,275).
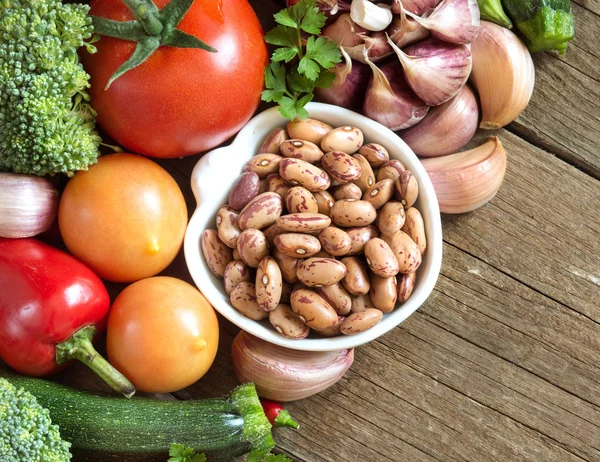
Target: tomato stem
(146,13)
(79,346)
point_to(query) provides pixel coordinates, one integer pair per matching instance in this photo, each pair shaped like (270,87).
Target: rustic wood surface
(502,363)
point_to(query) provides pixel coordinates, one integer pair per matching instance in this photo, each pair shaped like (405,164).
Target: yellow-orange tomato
(162,334)
(125,217)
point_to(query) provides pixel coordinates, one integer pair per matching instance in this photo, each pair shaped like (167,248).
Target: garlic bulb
(418,7)
(344,32)
(28,205)
(284,375)
(390,101)
(446,128)
(503,75)
(405,31)
(454,21)
(467,180)
(435,70)
(375,47)
(370,16)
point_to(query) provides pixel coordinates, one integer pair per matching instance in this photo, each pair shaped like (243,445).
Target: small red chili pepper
(277,415)
(51,307)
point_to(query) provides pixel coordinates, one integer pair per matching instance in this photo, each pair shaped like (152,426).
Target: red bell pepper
(51,307)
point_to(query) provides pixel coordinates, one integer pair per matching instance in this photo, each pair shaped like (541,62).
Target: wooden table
(502,363)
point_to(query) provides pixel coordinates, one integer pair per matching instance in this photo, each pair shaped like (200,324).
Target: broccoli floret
(46,123)
(26,431)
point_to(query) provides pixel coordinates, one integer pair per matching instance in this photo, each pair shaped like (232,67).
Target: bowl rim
(260,126)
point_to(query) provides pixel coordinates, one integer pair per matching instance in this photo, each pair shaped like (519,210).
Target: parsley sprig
(306,59)
(179,453)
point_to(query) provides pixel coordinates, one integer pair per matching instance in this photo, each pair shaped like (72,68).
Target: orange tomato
(125,217)
(162,334)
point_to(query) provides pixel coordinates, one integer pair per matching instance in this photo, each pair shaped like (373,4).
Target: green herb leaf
(285,54)
(323,51)
(313,21)
(179,453)
(275,82)
(299,83)
(325,80)
(287,107)
(276,458)
(282,36)
(284,17)
(299,10)
(309,68)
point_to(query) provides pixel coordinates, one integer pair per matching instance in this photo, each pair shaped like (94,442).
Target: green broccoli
(26,431)
(46,122)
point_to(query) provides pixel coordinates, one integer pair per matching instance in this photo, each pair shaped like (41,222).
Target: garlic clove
(503,75)
(405,31)
(371,16)
(28,205)
(344,31)
(467,180)
(390,101)
(446,128)
(349,86)
(435,70)
(282,374)
(453,21)
(418,7)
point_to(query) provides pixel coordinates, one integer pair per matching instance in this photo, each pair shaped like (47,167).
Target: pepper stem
(79,346)
(284,419)
(146,15)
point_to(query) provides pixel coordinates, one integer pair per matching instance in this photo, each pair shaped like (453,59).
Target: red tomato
(181,101)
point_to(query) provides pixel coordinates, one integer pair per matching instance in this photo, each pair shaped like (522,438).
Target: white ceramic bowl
(215,174)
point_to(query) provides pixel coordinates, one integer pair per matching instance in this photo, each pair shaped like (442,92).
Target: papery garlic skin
(503,75)
(282,374)
(453,21)
(405,31)
(344,31)
(418,7)
(435,70)
(465,181)
(370,16)
(28,205)
(446,128)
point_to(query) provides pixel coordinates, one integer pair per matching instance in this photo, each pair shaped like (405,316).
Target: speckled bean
(380,193)
(367,179)
(244,190)
(227,226)
(415,228)
(286,291)
(349,212)
(262,211)
(324,201)
(347,191)
(303,222)
(308,129)
(359,237)
(236,272)
(361,303)
(301,149)
(301,173)
(270,233)
(390,169)
(383,292)
(334,330)
(335,241)
(263,164)
(361,322)
(406,284)
(337,297)
(405,250)
(273,141)
(297,245)
(407,189)
(287,323)
(287,265)
(278,185)
(268,284)
(391,217)
(243,299)
(216,253)
(313,310)
(300,200)
(347,139)
(375,153)
(320,272)
(356,280)
(252,246)
(380,258)
(236,255)
(341,167)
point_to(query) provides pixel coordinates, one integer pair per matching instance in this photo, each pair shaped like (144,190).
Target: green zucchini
(545,24)
(102,428)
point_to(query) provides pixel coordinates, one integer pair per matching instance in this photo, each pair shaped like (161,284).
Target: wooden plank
(590,5)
